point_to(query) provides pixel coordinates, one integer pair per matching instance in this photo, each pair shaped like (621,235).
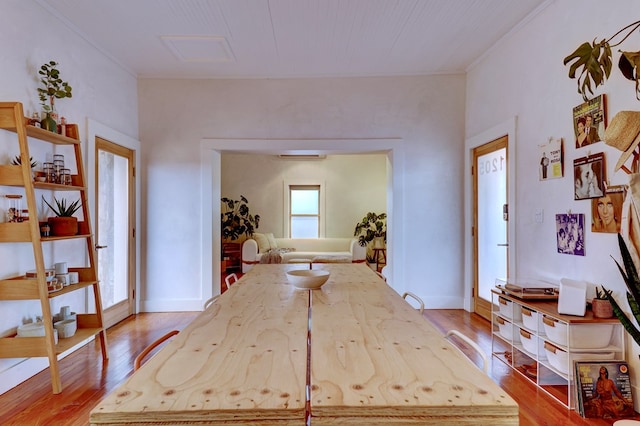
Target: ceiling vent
(302,156)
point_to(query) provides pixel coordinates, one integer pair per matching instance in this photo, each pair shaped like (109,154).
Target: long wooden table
(360,352)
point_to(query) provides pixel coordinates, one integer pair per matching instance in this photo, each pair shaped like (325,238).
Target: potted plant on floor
(237,224)
(64,223)
(371,232)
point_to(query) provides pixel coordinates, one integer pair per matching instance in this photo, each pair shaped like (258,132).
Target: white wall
(353,184)
(524,76)
(426,113)
(101,90)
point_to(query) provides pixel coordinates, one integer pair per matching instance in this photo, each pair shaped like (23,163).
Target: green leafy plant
(62,209)
(370,227)
(17,161)
(52,85)
(631,279)
(236,219)
(592,62)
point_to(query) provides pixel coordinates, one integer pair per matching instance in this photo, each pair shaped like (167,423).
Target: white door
(490,221)
(115,231)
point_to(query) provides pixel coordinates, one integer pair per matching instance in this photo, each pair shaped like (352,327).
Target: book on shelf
(603,389)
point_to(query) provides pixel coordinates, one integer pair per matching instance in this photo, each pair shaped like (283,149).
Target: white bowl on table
(308,279)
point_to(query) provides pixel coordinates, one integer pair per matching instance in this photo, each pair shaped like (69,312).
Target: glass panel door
(114,230)
(491,218)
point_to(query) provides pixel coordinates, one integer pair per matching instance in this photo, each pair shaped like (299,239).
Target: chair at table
(406,293)
(138,361)
(230,279)
(473,345)
(210,301)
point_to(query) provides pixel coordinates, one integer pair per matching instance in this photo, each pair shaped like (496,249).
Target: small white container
(583,336)
(506,330)
(559,358)
(66,328)
(509,310)
(531,343)
(532,320)
(35,329)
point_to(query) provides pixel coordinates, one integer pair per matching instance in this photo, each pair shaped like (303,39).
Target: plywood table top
(243,361)
(376,360)
(372,359)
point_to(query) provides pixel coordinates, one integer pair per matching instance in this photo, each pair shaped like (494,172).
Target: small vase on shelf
(48,123)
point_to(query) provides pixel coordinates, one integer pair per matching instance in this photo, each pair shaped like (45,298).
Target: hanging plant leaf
(629,63)
(593,63)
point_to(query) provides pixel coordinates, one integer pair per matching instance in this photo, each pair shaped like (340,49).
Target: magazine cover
(589,122)
(604,389)
(551,159)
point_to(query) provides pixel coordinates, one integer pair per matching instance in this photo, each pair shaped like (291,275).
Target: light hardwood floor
(86,380)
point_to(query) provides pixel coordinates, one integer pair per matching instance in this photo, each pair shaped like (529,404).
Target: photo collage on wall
(589,177)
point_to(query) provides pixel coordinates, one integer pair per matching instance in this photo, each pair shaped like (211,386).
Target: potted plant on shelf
(64,223)
(52,88)
(17,161)
(600,305)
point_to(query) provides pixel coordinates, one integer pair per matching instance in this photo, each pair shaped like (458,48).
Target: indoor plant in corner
(372,229)
(64,224)
(631,279)
(236,219)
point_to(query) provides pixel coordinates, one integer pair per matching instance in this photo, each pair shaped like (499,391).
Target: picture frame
(588,176)
(570,233)
(551,164)
(589,121)
(606,211)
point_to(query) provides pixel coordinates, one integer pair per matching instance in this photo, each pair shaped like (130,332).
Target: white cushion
(272,241)
(263,242)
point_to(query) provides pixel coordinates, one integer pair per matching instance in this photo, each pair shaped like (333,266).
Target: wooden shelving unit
(21,288)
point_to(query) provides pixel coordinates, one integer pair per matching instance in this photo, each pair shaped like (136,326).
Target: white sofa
(304,249)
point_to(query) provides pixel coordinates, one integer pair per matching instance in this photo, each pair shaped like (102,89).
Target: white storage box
(558,358)
(532,320)
(506,330)
(509,310)
(573,297)
(531,343)
(583,336)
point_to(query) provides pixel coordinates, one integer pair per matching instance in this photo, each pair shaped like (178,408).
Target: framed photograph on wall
(551,159)
(588,176)
(589,122)
(570,233)
(606,211)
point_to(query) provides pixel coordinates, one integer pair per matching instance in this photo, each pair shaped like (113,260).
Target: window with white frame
(304,211)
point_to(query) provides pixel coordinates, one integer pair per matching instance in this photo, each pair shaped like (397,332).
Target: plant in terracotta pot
(600,305)
(52,88)
(64,223)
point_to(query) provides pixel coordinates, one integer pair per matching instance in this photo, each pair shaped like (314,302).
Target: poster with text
(551,160)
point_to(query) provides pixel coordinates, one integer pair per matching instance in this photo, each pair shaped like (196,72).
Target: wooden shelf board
(45,135)
(15,232)
(81,334)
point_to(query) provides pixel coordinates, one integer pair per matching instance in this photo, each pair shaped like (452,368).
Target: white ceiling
(292,38)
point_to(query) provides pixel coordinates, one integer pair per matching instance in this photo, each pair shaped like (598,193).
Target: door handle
(100,247)
(503,245)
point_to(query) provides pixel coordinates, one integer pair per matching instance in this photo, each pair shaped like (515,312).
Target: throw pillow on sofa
(263,242)
(272,241)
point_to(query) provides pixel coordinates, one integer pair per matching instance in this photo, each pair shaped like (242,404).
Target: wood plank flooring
(86,381)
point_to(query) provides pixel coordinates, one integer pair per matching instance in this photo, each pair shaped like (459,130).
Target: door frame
(506,128)
(126,307)
(97,129)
